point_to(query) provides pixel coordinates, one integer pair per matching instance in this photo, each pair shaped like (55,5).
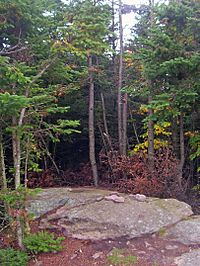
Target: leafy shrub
(12,257)
(42,242)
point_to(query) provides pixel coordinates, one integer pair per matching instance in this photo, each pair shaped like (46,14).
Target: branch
(43,70)
(22,114)
(12,51)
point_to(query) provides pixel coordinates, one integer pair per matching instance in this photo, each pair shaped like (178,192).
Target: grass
(118,257)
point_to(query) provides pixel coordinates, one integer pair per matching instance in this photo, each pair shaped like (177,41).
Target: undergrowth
(12,257)
(42,242)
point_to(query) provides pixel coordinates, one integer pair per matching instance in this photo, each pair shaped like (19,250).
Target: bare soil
(150,250)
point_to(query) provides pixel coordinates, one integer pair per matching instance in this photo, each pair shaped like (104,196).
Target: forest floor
(144,251)
(147,250)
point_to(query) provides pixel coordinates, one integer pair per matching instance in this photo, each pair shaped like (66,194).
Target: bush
(12,257)
(42,242)
(132,174)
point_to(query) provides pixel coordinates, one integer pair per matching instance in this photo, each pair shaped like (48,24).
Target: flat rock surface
(86,214)
(157,231)
(51,198)
(186,232)
(191,258)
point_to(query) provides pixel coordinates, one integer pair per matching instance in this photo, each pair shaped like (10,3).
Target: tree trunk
(91,125)
(2,165)
(150,111)
(26,164)
(113,30)
(16,153)
(134,127)
(119,97)
(17,165)
(105,123)
(150,137)
(175,138)
(124,124)
(182,144)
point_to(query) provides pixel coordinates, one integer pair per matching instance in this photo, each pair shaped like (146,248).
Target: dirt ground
(150,250)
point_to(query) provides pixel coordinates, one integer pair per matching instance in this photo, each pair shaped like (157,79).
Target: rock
(115,198)
(139,197)
(191,258)
(186,232)
(73,256)
(105,219)
(97,255)
(85,217)
(171,247)
(147,244)
(52,198)
(38,263)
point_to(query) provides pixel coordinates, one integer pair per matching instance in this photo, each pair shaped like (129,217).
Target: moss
(162,232)
(118,257)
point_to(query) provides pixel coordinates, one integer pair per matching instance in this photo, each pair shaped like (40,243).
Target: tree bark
(91,124)
(150,137)
(182,144)
(175,138)
(2,165)
(150,111)
(105,123)
(16,153)
(124,124)
(119,95)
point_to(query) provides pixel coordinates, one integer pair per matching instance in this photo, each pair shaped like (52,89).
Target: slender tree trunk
(119,97)
(91,125)
(16,153)
(134,127)
(182,144)
(175,138)
(2,165)
(150,125)
(26,164)
(113,30)
(150,137)
(124,124)
(17,165)
(105,123)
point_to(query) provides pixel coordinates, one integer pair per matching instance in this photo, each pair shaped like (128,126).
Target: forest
(81,104)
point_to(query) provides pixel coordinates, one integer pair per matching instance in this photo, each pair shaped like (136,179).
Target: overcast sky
(128,19)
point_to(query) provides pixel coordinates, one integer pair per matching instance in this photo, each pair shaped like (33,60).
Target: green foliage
(17,198)
(195,144)
(11,104)
(118,257)
(42,242)
(12,257)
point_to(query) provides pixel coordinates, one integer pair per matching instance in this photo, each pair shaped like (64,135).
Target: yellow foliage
(158,143)
(143,109)
(158,129)
(190,134)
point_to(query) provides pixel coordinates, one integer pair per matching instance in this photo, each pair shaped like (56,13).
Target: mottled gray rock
(186,232)
(52,198)
(139,197)
(115,198)
(191,258)
(106,219)
(86,213)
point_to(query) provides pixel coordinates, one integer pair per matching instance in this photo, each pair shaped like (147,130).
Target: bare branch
(12,51)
